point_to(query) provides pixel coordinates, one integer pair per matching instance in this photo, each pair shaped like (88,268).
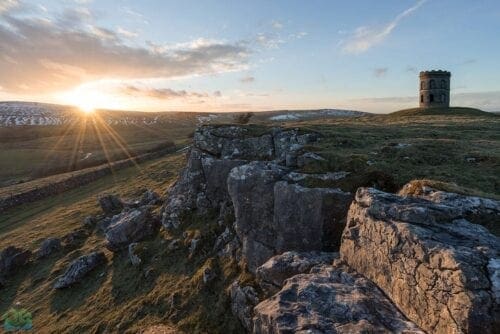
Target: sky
(208,55)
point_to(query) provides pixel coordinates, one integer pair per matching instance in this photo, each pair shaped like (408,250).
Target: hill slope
(452,111)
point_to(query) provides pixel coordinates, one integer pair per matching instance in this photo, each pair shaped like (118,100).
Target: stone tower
(434,89)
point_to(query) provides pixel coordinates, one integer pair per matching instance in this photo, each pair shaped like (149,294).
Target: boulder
(330,300)
(49,246)
(11,259)
(131,226)
(110,204)
(79,268)
(149,197)
(277,269)
(439,269)
(307,219)
(243,300)
(251,188)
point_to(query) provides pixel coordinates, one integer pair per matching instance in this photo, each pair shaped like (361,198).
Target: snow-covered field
(40,114)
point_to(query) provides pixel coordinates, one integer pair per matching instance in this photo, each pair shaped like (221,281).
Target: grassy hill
(452,111)
(460,151)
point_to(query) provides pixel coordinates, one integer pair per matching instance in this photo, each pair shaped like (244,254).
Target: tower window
(431,98)
(421,98)
(422,85)
(433,84)
(443,98)
(443,83)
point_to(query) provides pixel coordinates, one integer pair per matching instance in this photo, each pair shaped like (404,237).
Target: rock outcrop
(243,300)
(439,269)
(49,246)
(273,216)
(251,188)
(277,269)
(475,209)
(216,151)
(110,204)
(330,300)
(79,268)
(129,227)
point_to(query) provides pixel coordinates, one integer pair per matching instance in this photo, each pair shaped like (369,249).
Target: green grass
(437,147)
(117,297)
(31,152)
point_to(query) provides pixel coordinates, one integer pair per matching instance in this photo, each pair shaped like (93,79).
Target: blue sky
(247,55)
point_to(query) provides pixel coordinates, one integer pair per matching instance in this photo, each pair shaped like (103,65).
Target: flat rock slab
(330,300)
(439,269)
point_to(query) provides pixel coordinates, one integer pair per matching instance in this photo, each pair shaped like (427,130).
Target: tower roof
(435,73)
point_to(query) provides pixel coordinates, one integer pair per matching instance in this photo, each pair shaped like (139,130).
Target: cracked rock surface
(330,300)
(438,268)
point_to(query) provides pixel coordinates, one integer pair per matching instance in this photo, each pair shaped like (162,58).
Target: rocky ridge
(311,259)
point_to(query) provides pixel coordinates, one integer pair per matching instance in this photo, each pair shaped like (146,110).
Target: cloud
(365,38)
(217,93)
(269,41)
(126,33)
(277,25)
(247,79)
(380,72)
(40,55)
(160,93)
(8,5)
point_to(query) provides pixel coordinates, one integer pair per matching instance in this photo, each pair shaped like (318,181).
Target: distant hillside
(14,113)
(457,111)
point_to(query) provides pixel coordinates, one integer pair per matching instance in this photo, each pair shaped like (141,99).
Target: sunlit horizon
(215,57)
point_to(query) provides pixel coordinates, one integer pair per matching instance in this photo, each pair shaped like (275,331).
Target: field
(462,151)
(29,152)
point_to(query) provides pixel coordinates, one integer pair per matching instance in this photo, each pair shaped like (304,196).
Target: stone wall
(73,180)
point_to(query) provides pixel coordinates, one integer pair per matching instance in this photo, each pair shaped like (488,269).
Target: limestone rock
(79,268)
(307,219)
(131,227)
(251,188)
(215,172)
(149,198)
(243,300)
(110,204)
(290,143)
(183,194)
(438,268)
(49,246)
(330,300)
(277,269)
(232,142)
(475,209)
(11,258)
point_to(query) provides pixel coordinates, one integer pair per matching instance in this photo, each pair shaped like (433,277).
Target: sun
(86,107)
